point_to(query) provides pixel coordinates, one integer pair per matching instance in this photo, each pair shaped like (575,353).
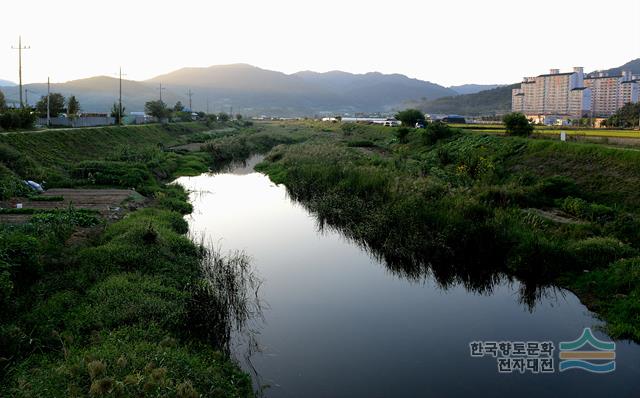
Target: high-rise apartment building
(574,95)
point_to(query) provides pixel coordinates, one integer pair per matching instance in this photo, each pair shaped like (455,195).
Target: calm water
(340,324)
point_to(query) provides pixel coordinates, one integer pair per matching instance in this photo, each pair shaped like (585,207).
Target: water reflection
(477,273)
(347,319)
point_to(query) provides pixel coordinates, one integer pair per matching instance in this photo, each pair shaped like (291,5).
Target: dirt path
(110,203)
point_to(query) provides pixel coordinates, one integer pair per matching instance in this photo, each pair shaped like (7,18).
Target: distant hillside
(6,83)
(255,91)
(494,101)
(248,87)
(488,102)
(374,90)
(473,88)
(633,66)
(252,91)
(97,94)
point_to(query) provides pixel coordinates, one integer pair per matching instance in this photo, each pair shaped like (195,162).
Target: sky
(448,42)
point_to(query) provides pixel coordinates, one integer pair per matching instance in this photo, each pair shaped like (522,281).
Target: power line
(20,48)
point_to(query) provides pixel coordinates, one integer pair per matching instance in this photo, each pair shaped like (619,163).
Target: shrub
(517,124)
(558,187)
(435,131)
(596,252)
(402,133)
(588,211)
(348,128)
(14,119)
(21,252)
(108,173)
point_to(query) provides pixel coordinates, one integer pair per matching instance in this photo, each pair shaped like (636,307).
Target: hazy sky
(447,42)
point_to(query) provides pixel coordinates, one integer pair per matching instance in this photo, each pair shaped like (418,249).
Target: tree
(238,116)
(73,106)
(517,124)
(409,117)
(117,113)
(627,116)
(14,119)
(3,102)
(178,107)
(56,105)
(157,109)
(223,117)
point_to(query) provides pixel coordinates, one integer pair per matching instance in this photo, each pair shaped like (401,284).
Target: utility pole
(120,98)
(207,105)
(161,88)
(120,108)
(26,96)
(20,48)
(190,94)
(48,103)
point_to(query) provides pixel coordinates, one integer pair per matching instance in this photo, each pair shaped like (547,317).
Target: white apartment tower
(572,94)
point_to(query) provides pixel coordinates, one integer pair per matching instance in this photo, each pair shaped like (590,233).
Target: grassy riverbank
(466,208)
(90,308)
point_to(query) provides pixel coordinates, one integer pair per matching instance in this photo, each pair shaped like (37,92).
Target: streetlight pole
(20,48)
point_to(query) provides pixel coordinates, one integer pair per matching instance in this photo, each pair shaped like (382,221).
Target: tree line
(25,117)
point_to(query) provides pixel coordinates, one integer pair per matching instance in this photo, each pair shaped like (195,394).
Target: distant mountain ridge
(487,102)
(473,88)
(633,66)
(252,90)
(6,83)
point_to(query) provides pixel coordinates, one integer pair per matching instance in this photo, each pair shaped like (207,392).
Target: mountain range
(254,91)
(250,90)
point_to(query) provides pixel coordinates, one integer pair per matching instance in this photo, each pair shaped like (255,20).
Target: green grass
(552,130)
(112,314)
(457,205)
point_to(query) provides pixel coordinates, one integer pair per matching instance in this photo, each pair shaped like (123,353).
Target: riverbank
(93,307)
(465,207)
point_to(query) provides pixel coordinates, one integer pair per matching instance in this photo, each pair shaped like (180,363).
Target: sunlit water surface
(338,323)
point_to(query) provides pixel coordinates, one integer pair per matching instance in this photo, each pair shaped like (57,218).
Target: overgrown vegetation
(112,313)
(470,208)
